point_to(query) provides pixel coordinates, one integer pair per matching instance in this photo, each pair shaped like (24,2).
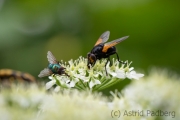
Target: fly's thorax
(54,67)
(111,50)
(97,49)
(61,70)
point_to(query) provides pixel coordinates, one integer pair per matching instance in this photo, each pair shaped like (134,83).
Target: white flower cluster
(32,102)
(94,78)
(154,97)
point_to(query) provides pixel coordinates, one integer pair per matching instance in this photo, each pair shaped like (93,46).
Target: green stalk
(102,84)
(109,84)
(82,83)
(80,87)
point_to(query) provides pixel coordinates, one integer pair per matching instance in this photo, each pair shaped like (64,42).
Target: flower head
(94,78)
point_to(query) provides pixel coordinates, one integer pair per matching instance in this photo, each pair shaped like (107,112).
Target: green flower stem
(88,85)
(82,83)
(57,81)
(110,83)
(104,81)
(77,87)
(80,87)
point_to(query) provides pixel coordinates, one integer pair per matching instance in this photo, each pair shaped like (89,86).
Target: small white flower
(57,89)
(134,75)
(94,82)
(51,78)
(81,75)
(73,82)
(50,84)
(115,71)
(110,70)
(63,79)
(120,74)
(132,68)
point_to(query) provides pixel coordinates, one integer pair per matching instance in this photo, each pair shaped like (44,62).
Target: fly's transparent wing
(103,38)
(45,72)
(113,43)
(51,58)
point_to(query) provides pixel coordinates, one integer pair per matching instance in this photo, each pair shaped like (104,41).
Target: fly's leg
(106,64)
(119,59)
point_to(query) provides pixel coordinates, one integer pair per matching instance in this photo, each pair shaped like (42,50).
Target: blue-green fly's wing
(51,58)
(45,72)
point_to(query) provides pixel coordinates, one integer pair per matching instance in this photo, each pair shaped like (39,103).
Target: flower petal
(132,68)
(94,82)
(134,75)
(120,74)
(72,84)
(50,84)
(113,73)
(57,89)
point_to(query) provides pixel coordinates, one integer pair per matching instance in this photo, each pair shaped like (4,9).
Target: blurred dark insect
(9,76)
(103,50)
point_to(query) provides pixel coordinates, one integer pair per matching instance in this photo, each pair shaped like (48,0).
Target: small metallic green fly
(53,68)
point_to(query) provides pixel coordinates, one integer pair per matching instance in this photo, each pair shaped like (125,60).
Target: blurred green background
(70,28)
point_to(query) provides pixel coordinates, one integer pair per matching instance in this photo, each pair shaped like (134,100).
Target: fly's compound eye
(91,59)
(88,55)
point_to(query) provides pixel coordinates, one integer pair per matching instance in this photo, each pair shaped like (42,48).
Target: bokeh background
(70,28)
